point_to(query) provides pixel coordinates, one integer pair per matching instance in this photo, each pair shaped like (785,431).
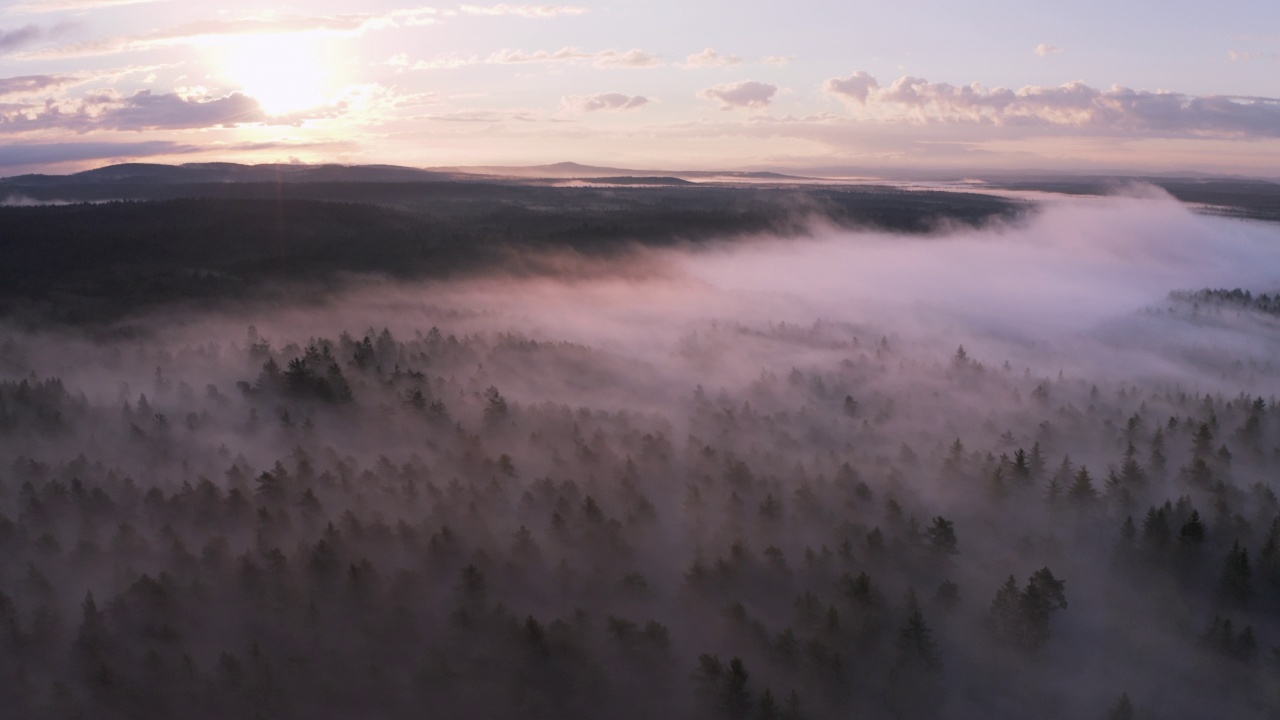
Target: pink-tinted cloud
(528,11)
(46,6)
(33,83)
(604,101)
(491,117)
(603,58)
(855,87)
(631,58)
(747,94)
(1045,50)
(349,23)
(710,58)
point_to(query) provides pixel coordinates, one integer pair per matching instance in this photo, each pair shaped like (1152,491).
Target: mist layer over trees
(101,251)
(1025,471)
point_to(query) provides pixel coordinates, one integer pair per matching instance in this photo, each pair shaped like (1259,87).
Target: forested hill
(99,261)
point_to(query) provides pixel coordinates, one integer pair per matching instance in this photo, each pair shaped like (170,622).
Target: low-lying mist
(988,473)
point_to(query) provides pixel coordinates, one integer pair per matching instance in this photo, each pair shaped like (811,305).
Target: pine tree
(942,537)
(1237,577)
(1157,462)
(792,710)
(1202,442)
(916,646)
(1132,476)
(1128,531)
(1122,710)
(735,696)
(1021,468)
(1004,613)
(1081,492)
(1155,529)
(1192,533)
(1036,462)
(1269,555)
(954,463)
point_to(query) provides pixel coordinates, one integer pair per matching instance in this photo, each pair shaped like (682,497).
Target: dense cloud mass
(996,473)
(143,110)
(1073,104)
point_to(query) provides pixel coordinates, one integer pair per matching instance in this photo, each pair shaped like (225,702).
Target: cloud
(21,154)
(33,83)
(743,94)
(482,116)
(11,40)
(203,30)
(630,58)
(340,24)
(1250,55)
(445,62)
(778,59)
(46,6)
(528,11)
(147,111)
(1045,49)
(143,110)
(855,87)
(604,58)
(1073,105)
(710,58)
(603,101)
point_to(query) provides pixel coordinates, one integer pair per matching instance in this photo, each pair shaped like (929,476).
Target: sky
(851,88)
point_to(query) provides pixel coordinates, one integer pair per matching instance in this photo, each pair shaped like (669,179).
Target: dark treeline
(433,521)
(94,262)
(1236,298)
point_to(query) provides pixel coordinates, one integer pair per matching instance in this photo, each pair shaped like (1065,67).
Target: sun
(284,73)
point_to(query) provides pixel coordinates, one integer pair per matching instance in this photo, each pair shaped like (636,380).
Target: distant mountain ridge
(1257,199)
(233,172)
(573,170)
(220,172)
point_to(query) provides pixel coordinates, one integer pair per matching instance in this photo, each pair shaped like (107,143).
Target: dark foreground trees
(755,551)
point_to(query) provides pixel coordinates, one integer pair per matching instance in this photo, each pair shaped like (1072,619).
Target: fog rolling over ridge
(981,473)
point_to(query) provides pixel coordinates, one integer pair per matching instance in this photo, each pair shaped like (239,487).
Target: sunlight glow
(285,73)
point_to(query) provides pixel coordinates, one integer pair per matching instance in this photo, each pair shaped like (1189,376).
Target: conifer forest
(952,466)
